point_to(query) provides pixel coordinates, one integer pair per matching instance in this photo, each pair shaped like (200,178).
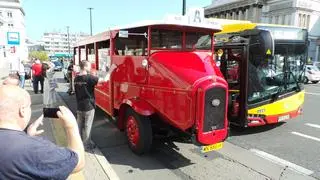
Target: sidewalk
(54,132)
(95,166)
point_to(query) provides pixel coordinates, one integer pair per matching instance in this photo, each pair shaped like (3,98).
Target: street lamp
(184,7)
(68,27)
(90,9)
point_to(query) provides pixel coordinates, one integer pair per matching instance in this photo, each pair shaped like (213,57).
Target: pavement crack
(282,172)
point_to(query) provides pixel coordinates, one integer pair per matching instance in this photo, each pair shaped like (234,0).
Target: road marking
(282,162)
(106,166)
(306,136)
(313,125)
(316,94)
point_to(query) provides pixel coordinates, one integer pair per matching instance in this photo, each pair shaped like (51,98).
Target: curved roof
(177,21)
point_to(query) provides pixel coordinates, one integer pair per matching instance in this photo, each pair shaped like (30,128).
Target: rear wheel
(314,82)
(138,132)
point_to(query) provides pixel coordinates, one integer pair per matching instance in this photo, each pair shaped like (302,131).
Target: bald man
(24,155)
(12,79)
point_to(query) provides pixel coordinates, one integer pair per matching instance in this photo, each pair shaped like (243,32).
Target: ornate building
(300,13)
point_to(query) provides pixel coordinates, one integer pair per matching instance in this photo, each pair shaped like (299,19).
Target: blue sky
(49,15)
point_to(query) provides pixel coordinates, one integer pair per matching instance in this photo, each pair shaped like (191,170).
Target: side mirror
(145,63)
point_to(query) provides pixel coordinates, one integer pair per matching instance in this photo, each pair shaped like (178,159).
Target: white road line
(316,94)
(313,125)
(105,165)
(306,136)
(282,162)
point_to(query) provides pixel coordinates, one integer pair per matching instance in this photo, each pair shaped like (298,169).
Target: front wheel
(314,82)
(138,132)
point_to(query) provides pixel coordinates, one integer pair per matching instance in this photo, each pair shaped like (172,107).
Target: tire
(314,82)
(305,80)
(138,131)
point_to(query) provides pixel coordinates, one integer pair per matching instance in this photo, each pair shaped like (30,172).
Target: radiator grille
(214,109)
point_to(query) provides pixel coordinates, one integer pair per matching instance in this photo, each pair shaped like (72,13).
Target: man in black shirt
(84,88)
(24,155)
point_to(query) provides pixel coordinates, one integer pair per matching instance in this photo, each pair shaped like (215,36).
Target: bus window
(196,40)
(166,39)
(134,45)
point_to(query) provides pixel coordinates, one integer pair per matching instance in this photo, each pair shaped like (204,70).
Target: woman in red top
(37,76)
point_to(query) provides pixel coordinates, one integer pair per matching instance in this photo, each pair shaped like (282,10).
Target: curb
(261,165)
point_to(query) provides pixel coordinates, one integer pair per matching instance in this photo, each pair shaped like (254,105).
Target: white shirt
(21,69)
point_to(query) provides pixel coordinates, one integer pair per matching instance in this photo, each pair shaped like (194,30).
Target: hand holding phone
(50,112)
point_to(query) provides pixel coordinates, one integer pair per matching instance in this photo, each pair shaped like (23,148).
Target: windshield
(314,68)
(276,75)
(56,63)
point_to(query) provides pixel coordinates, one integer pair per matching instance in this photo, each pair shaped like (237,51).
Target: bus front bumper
(273,119)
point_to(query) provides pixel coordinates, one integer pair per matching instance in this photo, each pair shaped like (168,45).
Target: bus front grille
(214,109)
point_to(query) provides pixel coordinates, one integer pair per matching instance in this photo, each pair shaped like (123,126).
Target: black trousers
(36,80)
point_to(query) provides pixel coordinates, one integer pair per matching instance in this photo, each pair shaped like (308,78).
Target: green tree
(41,55)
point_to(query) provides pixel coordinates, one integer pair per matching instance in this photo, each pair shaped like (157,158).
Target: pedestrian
(24,155)
(22,74)
(50,85)
(37,76)
(84,89)
(71,79)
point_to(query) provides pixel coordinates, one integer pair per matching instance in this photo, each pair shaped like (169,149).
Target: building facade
(58,43)
(12,33)
(300,13)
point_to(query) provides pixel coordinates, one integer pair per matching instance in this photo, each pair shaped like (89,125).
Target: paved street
(177,159)
(296,141)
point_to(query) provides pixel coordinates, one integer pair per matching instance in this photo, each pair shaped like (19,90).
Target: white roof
(176,21)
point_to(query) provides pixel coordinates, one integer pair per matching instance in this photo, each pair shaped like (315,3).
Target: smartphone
(50,112)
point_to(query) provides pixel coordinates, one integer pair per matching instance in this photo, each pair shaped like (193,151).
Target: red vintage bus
(161,75)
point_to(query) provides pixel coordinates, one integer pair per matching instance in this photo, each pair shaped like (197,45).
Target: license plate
(211,147)
(283,118)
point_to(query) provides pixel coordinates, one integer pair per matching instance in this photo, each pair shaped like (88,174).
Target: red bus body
(183,87)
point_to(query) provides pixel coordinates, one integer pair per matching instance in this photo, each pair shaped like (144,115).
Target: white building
(301,13)
(57,43)
(12,33)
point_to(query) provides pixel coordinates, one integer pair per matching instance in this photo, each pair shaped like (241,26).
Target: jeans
(22,80)
(36,80)
(85,120)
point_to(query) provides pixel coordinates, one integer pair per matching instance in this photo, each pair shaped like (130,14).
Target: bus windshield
(278,74)
(173,40)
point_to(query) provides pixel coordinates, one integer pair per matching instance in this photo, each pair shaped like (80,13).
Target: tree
(41,55)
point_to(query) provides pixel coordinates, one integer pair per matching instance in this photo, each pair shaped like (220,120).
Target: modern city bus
(264,67)
(160,78)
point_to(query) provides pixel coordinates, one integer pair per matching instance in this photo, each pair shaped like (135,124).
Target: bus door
(233,62)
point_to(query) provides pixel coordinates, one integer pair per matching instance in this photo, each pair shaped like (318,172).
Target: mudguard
(140,106)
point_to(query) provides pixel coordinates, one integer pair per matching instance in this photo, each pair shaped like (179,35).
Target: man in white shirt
(22,74)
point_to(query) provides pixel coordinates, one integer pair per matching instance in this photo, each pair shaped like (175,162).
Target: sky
(55,15)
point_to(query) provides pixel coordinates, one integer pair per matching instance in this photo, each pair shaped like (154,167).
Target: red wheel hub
(133,131)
